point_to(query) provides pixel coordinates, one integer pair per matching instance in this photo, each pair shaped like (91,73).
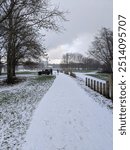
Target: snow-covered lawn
(17,104)
(84,75)
(68,118)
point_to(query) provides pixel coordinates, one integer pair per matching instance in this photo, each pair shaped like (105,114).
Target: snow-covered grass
(17,104)
(85,71)
(22,72)
(103,76)
(83,77)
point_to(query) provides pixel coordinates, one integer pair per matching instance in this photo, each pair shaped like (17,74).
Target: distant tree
(102,48)
(76,61)
(72,57)
(30,65)
(1,54)
(0,66)
(91,63)
(72,60)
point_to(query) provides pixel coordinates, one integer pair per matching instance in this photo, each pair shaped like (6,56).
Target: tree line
(77,61)
(98,56)
(20,25)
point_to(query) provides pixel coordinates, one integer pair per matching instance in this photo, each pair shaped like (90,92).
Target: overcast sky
(86,18)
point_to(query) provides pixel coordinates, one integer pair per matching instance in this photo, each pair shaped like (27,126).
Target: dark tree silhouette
(102,48)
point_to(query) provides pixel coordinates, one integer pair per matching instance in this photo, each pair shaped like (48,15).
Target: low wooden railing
(101,86)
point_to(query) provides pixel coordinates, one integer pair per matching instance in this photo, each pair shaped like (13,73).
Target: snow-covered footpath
(67,118)
(17,104)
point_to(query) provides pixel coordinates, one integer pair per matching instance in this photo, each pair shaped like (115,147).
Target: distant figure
(57,71)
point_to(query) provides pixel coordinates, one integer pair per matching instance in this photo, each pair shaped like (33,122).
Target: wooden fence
(101,86)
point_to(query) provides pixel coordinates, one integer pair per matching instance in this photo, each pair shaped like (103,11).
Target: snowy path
(68,119)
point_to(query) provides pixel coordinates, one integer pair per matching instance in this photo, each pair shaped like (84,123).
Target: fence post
(97,89)
(91,83)
(107,89)
(111,86)
(100,87)
(86,81)
(94,86)
(112,91)
(104,89)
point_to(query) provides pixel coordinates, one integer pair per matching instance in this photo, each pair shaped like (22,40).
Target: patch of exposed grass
(43,78)
(16,80)
(21,72)
(7,95)
(110,107)
(102,76)
(85,71)
(26,72)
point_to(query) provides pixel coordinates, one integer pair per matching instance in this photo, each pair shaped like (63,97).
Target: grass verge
(17,104)
(102,76)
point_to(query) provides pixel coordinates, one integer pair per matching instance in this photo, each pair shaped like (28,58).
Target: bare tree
(25,19)
(0,61)
(72,57)
(77,61)
(102,48)
(5,10)
(30,65)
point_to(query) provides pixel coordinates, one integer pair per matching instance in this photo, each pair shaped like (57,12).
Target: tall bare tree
(28,17)
(102,48)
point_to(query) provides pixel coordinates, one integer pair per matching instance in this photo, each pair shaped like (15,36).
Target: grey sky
(86,18)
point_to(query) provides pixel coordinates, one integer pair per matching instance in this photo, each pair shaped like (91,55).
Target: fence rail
(103,87)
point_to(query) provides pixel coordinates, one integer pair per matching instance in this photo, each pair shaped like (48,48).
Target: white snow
(17,104)
(103,101)
(67,118)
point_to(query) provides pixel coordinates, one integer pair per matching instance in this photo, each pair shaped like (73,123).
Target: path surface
(68,119)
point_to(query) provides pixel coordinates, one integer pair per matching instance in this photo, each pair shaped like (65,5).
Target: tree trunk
(0,69)
(0,66)
(14,64)
(9,68)
(9,52)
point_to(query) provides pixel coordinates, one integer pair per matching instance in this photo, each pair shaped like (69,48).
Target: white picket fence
(101,86)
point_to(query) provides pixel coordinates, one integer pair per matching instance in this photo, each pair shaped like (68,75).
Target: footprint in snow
(70,122)
(51,138)
(62,148)
(80,137)
(46,122)
(69,111)
(75,120)
(81,123)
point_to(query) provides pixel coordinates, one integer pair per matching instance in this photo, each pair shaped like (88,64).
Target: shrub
(66,72)
(72,74)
